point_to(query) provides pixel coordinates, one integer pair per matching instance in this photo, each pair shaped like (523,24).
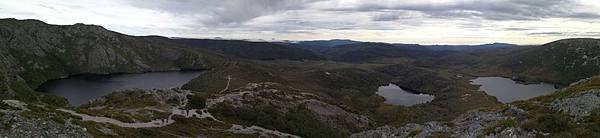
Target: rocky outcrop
(286,101)
(469,125)
(13,124)
(138,106)
(580,105)
(19,126)
(512,132)
(409,130)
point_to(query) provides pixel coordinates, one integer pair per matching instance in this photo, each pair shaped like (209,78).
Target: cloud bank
(415,21)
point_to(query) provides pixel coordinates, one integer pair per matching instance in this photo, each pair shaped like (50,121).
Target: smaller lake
(398,96)
(507,90)
(82,88)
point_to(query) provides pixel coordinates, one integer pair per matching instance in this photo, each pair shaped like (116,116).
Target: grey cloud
(218,12)
(585,15)
(386,17)
(343,28)
(4,13)
(517,29)
(591,34)
(570,34)
(547,34)
(48,7)
(488,9)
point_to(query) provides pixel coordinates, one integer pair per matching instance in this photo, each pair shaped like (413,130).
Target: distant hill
(350,50)
(318,46)
(561,61)
(248,50)
(367,50)
(327,43)
(470,47)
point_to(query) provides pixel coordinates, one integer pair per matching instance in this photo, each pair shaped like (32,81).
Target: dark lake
(398,96)
(507,90)
(82,88)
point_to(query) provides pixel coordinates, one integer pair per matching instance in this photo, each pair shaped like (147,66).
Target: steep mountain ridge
(34,52)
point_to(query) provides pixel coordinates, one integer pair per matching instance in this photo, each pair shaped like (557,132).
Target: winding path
(226,86)
(187,114)
(154,123)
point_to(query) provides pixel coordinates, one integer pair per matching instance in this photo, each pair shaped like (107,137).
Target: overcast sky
(402,21)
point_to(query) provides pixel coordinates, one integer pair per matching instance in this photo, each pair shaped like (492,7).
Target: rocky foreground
(472,124)
(13,124)
(249,110)
(246,111)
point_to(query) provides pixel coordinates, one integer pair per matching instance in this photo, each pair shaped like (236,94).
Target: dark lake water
(507,90)
(82,88)
(397,96)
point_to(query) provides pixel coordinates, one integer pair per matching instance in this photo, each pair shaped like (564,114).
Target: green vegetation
(440,135)
(549,122)
(197,101)
(298,121)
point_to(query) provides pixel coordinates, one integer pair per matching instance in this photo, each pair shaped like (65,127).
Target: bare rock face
(331,114)
(101,57)
(512,132)
(580,105)
(472,124)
